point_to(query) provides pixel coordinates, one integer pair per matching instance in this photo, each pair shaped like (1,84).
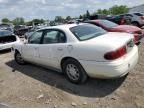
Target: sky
(48,9)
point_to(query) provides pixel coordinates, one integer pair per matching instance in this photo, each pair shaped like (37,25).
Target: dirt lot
(31,86)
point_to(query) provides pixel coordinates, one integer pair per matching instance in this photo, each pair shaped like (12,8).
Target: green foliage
(80,17)
(115,10)
(87,14)
(5,20)
(36,22)
(59,19)
(18,21)
(99,11)
(68,18)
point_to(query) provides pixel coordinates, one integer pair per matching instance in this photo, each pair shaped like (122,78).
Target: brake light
(122,22)
(116,54)
(142,17)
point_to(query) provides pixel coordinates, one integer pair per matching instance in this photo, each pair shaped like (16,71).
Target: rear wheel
(74,71)
(18,58)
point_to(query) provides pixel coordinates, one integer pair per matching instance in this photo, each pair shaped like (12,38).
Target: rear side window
(87,31)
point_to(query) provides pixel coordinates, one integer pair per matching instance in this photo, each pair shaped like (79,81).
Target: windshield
(107,23)
(5,33)
(87,31)
(139,14)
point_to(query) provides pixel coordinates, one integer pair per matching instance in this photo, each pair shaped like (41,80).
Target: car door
(52,48)
(30,50)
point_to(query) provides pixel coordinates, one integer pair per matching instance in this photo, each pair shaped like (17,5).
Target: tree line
(115,10)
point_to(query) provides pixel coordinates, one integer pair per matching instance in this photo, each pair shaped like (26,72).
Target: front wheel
(18,58)
(74,71)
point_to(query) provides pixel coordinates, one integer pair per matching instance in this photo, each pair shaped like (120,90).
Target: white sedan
(7,39)
(80,51)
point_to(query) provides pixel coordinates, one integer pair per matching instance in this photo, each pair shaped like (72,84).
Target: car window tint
(35,38)
(129,15)
(53,36)
(138,14)
(87,31)
(5,33)
(107,23)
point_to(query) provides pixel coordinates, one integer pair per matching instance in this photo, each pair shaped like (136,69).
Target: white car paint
(9,45)
(89,53)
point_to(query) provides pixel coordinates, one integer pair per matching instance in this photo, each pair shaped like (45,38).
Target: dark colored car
(7,39)
(121,19)
(6,27)
(113,27)
(21,31)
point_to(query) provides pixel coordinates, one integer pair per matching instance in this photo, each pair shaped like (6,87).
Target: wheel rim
(19,58)
(72,72)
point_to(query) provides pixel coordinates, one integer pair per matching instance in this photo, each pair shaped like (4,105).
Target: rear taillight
(122,22)
(142,17)
(116,54)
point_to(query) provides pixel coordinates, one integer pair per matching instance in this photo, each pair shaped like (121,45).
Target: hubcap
(19,58)
(72,72)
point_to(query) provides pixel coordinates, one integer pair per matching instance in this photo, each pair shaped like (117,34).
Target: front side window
(54,36)
(35,38)
(87,31)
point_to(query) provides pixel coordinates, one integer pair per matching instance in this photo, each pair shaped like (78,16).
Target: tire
(136,24)
(18,58)
(75,68)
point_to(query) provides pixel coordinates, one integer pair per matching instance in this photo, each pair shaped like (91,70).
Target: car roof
(95,21)
(63,27)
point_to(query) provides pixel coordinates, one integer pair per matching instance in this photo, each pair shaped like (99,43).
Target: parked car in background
(137,19)
(8,27)
(80,50)
(113,27)
(7,39)
(119,19)
(97,16)
(20,32)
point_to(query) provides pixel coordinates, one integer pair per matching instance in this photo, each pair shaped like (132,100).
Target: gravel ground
(31,86)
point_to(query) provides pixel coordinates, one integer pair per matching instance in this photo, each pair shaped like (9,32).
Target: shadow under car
(92,88)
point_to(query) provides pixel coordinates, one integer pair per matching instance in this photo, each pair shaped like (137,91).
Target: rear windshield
(87,31)
(107,23)
(5,33)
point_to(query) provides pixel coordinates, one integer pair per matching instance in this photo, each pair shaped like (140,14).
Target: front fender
(18,47)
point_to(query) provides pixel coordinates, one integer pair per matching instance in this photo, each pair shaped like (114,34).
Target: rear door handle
(59,49)
(36,48)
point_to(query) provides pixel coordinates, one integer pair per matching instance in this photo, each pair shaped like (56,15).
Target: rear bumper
(113,69)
